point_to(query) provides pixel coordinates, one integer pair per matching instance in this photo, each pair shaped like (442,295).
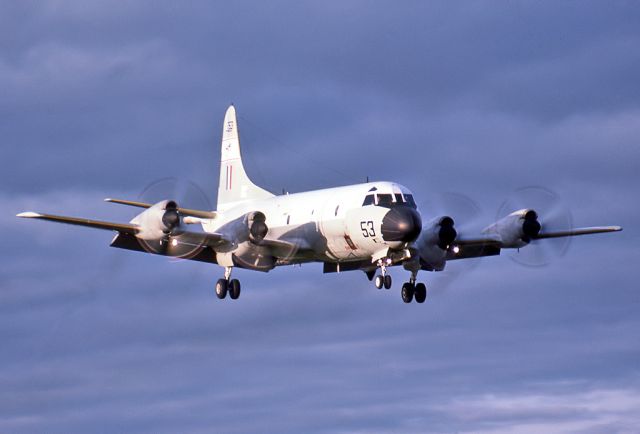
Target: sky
(474,98)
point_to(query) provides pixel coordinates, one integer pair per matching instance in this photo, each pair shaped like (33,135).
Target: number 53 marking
(367,229)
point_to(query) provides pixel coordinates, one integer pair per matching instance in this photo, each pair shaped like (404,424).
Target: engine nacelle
(249,233)
(257,227)
(434,240)
(158,221)
(517,229)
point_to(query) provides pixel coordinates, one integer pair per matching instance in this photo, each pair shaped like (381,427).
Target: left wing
(579,231)
(491,244)
(474,247)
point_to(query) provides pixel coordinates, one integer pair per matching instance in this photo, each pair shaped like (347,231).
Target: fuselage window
(399,198)
(337,208)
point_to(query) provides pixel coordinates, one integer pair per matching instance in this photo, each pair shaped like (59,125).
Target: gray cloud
(99,101)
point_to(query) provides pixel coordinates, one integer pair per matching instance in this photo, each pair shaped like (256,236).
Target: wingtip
(28,214)
(108,199)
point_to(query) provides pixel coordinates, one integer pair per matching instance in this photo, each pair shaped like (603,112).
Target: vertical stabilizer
(235,186)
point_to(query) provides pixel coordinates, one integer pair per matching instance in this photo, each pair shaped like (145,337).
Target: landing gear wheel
(234,289)
(420,293)
(221,288)
(379,281)
(387,281)
(407,292)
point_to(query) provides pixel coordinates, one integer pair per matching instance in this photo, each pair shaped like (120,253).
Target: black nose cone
(401,224)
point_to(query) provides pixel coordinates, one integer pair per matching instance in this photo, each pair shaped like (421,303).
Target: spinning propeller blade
(553,216)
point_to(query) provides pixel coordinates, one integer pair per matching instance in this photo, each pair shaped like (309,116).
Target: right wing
(97,224)
(202,239)
(183,211)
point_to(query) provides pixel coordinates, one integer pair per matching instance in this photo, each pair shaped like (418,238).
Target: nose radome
(401,224)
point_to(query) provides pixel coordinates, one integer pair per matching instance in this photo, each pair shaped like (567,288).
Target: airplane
(370,227)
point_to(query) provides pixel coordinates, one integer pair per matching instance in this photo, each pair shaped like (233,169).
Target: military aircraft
(370,227)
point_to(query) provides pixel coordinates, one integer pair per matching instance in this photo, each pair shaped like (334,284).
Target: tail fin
(235,186)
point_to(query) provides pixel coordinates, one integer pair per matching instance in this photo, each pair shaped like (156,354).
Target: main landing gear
(417,292)
(413,291)
(225,285)
(410,290)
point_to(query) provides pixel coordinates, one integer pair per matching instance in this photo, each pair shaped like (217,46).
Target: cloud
(564,412)
(100,101)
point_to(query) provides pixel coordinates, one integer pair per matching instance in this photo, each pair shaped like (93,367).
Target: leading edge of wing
(185,211)
(191,238)
(98,224)
(579,231)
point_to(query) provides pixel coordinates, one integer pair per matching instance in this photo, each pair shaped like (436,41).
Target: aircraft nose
(401,224)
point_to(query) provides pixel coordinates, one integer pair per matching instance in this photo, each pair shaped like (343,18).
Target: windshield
(390,200)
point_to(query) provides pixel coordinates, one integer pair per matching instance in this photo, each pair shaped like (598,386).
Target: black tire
(407,292)
(221,288)
(379,281)
(420,293)
(387,281)
(234,289)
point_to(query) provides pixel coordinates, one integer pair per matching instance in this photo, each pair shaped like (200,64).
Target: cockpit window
(385,200)
(390,200)
(410,201)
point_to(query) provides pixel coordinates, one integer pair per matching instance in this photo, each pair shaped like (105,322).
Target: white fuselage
(333,223)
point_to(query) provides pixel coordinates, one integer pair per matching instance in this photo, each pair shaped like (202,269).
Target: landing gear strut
(225,285)
(383,279)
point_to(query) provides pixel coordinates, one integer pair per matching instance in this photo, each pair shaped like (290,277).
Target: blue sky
(477,98)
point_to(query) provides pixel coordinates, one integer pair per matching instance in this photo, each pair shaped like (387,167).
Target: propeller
(547,213)
(464,211)
(179,193)
(466,215)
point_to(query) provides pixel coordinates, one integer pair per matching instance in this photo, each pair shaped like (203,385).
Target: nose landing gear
(383,279)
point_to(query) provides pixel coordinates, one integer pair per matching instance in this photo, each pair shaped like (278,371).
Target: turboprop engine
(159,221)
(256,226)
(248,232)
(162,231)
(517,229)
(434,241)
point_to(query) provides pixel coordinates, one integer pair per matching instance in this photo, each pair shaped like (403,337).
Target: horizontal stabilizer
(129,202)
(183,211)
(120,227)
(579,231)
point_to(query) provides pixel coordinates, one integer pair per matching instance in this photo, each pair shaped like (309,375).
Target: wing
(183,211)
(288,248)
(491,244)
(207,239)
(127,228)
(474,247)
(579,231)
